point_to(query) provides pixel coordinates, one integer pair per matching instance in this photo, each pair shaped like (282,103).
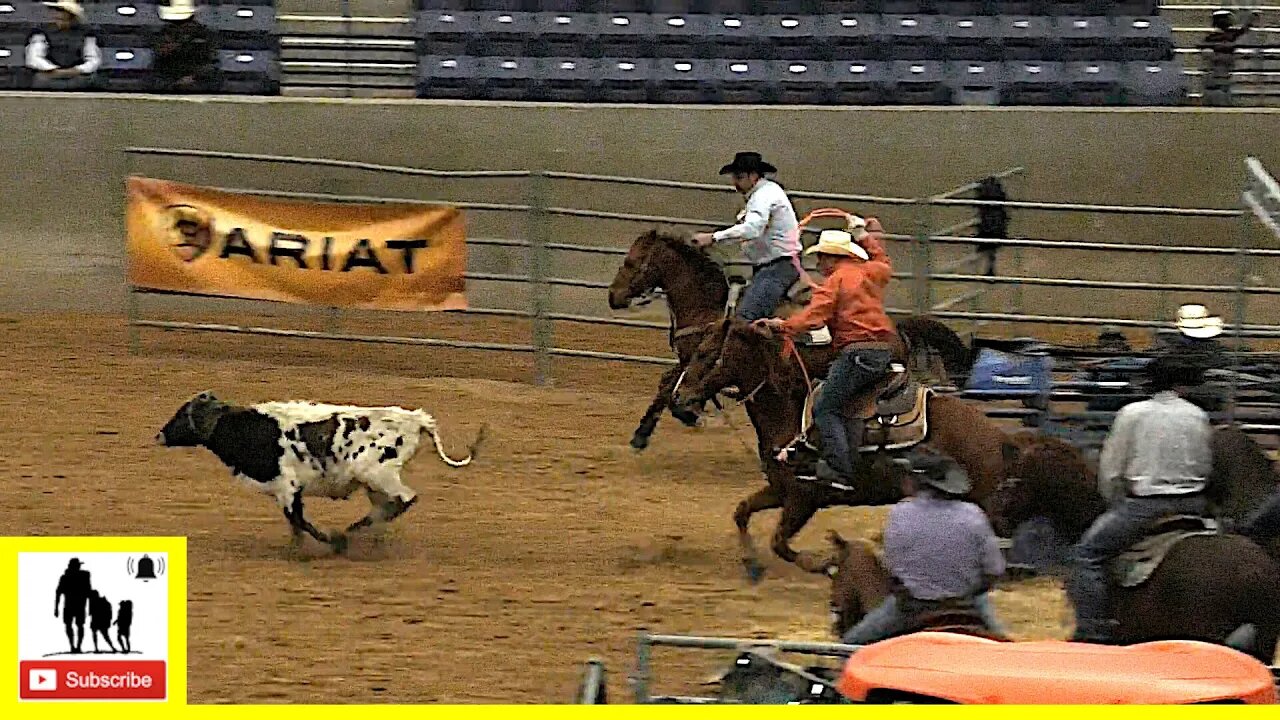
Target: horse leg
(662,400)
(765,498)
(797,509)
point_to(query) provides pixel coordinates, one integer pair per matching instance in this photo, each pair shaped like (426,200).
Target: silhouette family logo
(105,636)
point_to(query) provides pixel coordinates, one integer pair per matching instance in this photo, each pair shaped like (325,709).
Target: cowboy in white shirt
(64,55)
(769,233)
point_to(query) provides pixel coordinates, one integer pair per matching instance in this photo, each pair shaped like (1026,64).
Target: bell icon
(146,569)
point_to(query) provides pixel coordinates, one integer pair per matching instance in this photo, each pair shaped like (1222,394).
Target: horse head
(736,354)
(664,260)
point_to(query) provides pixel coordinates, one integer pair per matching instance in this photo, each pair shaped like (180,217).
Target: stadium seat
(801,82)
(913,37)
(1027,37)
(963,8)
(508,78)
(455,77)
(126,69)
(1154,83)
(250,72)
(919,82)
(566,79)
(13,73)
(1017,7)
(241,26)
(1031,82)
(860,83)
(683,80)
(626,34)
(971,37)
(18,18)
(500,33)
(1065,8)
(1087,38)
(124,24)
(907,7)
(561,34)
(737,37)
(445,32)
(1125,8)
(1144,38)
(975,82)
(680,35)
(795,37)
(1093,83)
(624,80)
(853,37)
(741,82)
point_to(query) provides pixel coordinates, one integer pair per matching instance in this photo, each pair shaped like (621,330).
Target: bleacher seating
(1008,52)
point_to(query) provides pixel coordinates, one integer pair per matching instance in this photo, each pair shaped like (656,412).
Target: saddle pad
(1135,565)
(903,429)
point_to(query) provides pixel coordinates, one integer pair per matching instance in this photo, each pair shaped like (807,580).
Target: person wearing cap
(850,302)
(1155,462)
(938,548)
(769,232)
(64,54)
(1221,46)
(185,51)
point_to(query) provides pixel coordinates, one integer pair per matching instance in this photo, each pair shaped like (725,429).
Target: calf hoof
(339,543)
(639,442)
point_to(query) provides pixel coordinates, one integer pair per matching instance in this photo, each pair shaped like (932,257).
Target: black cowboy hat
(745,162)
(941,472)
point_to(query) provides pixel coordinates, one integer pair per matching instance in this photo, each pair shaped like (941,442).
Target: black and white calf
(290,449)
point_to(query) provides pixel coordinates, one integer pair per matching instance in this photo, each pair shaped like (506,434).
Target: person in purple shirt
(937,546)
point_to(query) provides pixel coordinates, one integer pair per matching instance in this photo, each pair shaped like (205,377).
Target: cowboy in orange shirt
(851,304)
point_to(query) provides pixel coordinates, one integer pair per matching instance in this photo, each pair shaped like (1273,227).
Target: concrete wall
(61,221)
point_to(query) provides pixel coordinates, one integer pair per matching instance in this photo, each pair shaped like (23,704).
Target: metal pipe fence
(926,238)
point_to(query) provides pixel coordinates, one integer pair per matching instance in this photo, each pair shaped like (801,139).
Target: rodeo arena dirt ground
(558,544)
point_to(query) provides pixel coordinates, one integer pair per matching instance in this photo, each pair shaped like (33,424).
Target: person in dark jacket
(64,55)
(185,52)
(1221,46)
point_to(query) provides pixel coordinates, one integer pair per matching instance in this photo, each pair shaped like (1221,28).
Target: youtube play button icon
(42,679)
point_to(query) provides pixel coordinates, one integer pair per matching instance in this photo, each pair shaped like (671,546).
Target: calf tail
(429,426)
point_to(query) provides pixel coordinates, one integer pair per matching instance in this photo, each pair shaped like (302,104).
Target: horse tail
(924,331)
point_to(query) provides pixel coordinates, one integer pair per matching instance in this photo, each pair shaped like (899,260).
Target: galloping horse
(777,387)
(697,294)
(1201,585)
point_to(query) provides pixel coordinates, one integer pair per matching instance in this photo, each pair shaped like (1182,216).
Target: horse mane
(925,331)
(696,258)
(1243,476)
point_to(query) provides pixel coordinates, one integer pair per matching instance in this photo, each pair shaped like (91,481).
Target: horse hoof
(639,442)
(339,543)
(755,571)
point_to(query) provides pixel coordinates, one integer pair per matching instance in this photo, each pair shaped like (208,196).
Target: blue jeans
(887,621)
(1112,533)
(768,287)
(851,373)
(1264,523)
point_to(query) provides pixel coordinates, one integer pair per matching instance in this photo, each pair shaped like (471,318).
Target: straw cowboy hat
(838,242)
(1194,321)
(67,6)
(745,162)
(177,10)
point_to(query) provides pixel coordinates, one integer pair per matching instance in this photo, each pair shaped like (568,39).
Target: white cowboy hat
(1194,321)
(177,10)
(837,242)
(67,6)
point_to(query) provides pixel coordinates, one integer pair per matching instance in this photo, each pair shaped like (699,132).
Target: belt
(1165,496)
(775,261)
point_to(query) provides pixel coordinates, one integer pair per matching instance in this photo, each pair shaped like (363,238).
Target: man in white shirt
(1154,463)
(64,55)
(769,233)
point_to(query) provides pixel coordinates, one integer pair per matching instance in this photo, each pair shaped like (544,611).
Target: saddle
(1134,566)
(958,615)
(894,412)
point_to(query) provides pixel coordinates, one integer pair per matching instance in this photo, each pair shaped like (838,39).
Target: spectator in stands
(64,54)
(185,51)
(1221,44)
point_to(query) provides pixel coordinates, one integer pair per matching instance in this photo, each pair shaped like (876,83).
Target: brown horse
(697,294)
(776,387)
(1206,587)
(860,582)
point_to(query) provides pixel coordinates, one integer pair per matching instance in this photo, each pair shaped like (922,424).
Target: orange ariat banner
(186,238)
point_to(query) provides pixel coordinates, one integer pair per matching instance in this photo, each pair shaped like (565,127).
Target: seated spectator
(1221,44)
(185,54)
(64,55)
